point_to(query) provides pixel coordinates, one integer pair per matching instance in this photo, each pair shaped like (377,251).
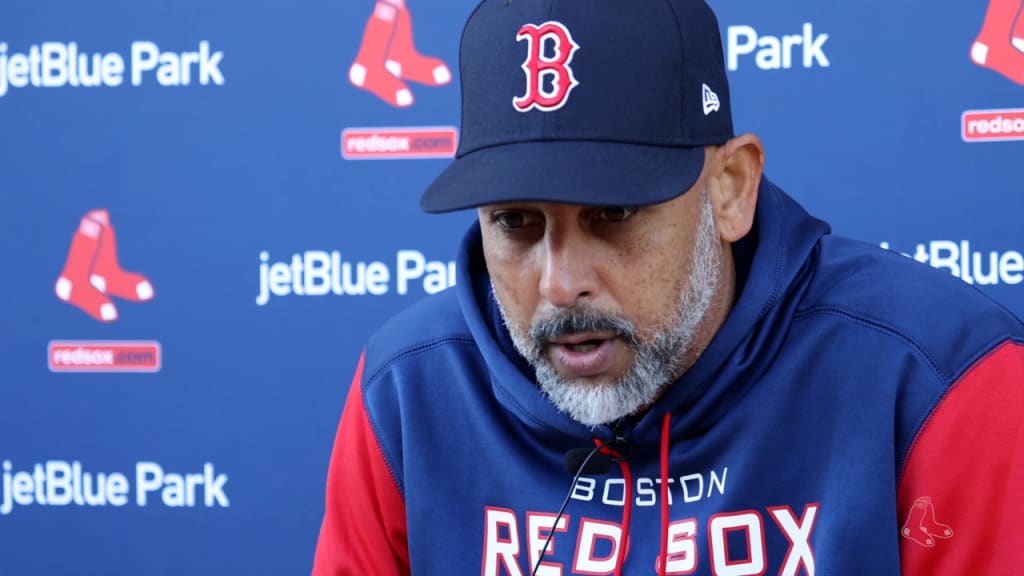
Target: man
(733,389)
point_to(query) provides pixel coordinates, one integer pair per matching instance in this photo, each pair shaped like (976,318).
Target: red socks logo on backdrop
(387,56)
(921,526)
(1000,44)
(92,272)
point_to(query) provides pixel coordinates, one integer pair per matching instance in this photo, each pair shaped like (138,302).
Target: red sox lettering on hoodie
(514,542)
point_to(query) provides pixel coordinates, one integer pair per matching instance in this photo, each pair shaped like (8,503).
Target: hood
(772,269)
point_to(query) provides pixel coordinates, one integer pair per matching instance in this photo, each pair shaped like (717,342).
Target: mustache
(569,321)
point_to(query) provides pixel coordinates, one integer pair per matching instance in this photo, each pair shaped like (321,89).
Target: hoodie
(857,413)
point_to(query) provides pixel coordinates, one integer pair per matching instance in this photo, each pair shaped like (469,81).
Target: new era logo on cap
(711,103)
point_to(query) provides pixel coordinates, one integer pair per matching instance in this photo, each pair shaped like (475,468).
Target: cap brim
(568,172)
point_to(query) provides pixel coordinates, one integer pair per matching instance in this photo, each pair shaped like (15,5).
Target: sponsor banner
(399,143)
(992,125)
(323,273)
(984,268)
(63,64)
(57,483)
(103,356)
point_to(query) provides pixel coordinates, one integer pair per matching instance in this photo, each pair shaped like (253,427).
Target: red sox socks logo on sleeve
(921,526)
(1000,44)
(387,56)
(92,272)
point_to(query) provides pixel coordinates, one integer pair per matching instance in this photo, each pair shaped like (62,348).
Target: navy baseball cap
(593,102)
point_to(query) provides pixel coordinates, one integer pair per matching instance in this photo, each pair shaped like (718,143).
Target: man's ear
(734,190)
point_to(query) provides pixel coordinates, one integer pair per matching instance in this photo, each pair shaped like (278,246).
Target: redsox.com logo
(999,47)
(91,277)
(384,67)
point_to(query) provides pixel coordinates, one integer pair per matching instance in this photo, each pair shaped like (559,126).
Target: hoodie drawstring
(627,510)
(663,554)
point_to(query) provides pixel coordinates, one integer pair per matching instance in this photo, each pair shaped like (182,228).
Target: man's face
(608,304)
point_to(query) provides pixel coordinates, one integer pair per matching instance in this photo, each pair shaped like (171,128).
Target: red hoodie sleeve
(961,497)
(363,530)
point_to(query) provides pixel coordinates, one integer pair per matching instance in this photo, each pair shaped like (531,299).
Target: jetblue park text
(322,273)
(984,268)
(59,64)
(61,483)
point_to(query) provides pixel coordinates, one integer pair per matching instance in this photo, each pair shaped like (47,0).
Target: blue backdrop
(266,217)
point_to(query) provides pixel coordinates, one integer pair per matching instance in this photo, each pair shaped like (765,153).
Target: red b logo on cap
(538,67)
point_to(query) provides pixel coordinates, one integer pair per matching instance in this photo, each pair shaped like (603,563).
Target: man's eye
(509,220)
(616,213)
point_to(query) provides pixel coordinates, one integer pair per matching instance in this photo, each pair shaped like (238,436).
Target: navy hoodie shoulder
(430,322)
(949,322)
(908,308)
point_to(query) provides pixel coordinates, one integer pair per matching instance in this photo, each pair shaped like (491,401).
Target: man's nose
(569,274)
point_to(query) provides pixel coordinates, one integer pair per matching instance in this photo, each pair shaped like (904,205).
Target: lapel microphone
(578,461)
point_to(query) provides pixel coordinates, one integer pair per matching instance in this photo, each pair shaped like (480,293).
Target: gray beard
(657,359)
